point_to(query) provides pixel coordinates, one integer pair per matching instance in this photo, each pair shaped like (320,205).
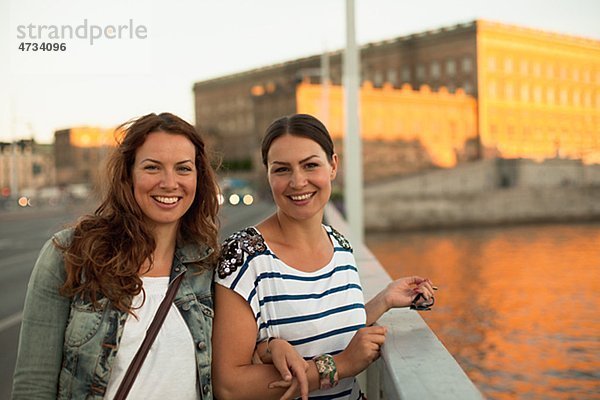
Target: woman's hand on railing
(399,293)
(402,291)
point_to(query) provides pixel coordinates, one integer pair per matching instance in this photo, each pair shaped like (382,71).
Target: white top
(169,371)
(317,312)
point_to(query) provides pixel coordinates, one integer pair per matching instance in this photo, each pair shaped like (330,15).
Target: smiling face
(300,176)
(164,177)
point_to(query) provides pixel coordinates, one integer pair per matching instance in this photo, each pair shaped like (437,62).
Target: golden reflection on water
(518,307)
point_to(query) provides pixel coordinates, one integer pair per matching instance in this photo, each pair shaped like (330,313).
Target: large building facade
(539,93)
(475,90)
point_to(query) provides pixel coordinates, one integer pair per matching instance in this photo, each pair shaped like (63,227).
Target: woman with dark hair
(96,287)
(288,290)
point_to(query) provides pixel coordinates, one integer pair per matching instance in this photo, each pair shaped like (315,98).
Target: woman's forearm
(234,335)
(376,307)
(252,382)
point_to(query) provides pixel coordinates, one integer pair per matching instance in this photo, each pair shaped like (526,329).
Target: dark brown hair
(108,247)
(303,125)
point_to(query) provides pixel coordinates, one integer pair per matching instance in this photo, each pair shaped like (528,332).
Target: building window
(550,71)
(508,65)
(420,72)
(564,97)
(537,70)
(468,86)
(586,76)
(550,98)
(510,91)
(524,67)
(377,78)
(392,76)
(510,132)
(467,64)
(435,70)
(537,94)
(364,74)
(450,67)
(576,98)
(525,92)
(406,73)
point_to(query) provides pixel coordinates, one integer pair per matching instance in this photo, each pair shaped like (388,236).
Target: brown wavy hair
(109,246)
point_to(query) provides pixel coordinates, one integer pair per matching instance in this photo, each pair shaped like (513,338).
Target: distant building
(403,130)
(539,93)
(482,90)
(25,166)
(80,152)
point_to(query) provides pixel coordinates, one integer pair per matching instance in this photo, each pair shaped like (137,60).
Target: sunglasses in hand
(419,305)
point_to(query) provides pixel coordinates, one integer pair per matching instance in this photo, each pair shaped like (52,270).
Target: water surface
(518,307)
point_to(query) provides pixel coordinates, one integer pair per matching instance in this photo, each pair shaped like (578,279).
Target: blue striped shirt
(317,312)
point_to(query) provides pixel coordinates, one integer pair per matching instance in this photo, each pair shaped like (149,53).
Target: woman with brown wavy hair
(96,287)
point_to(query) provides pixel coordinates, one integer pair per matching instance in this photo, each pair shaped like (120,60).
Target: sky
(179,42)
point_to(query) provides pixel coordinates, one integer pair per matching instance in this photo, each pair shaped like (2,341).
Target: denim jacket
(67,348)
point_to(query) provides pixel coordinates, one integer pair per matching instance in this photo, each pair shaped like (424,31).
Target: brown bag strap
(140,356)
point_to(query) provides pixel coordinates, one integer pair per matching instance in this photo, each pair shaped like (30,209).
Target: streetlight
(353,180)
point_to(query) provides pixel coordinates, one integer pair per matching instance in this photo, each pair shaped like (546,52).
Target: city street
(22,234)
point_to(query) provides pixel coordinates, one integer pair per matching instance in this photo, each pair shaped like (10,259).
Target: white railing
(414,364)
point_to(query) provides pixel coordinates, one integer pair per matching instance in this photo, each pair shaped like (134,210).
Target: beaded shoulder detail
(341,239)
(236,248)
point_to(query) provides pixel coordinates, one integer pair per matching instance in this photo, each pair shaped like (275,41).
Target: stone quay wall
(488,192)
